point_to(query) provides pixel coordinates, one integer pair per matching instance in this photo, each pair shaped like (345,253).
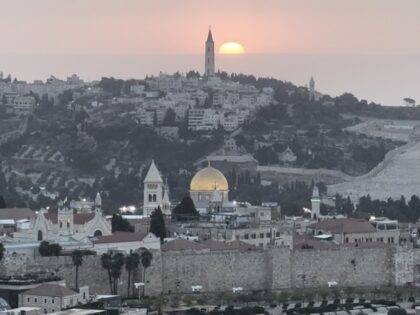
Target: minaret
(316,204)
(98,202)
(312,89)
(153,190)
(209,62)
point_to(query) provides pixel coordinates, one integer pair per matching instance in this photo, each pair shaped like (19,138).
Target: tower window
(150,198)
(154,197)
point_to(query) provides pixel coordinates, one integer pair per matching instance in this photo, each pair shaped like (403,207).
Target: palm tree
(132,261)
(116,266)
(77,257)
(1,250)
(106,262)
(146,260)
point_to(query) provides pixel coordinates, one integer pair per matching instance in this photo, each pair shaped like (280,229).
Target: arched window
(97,233)
(68,224)
(154,197)
(61,224)
(150,198)
(39,235)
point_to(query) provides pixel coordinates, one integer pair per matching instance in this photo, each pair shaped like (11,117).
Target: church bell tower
(209,55)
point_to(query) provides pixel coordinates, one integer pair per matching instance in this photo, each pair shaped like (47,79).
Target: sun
(231,48)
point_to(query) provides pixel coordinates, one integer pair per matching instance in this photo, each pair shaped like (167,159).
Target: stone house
(53,297)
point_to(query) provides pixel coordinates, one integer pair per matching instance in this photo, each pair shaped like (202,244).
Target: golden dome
(209,179)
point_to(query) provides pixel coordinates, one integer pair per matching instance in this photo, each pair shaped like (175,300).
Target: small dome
(4,306)
(209,179)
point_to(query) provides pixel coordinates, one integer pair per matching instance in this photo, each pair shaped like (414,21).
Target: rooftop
(338,226)
(120,237)
(47,289)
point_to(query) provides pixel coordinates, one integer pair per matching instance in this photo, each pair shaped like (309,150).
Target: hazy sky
(367,47)
(179,26)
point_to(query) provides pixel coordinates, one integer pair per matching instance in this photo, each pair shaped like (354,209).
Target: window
(261,235)
(246,236)
(35,300)
(68,224)
(237,237)
(150,198)
(277,234)
(261,245)
(52,300)
(61,224)
(253,236)
(154,198)
(39,235)
(45,301)
(29,299)
(45,311)
(268,235)
(347,239)
(84,295)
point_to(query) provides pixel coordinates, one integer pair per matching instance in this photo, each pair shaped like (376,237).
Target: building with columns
(209,55)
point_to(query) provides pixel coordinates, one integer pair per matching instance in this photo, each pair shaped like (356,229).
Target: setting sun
(231,48)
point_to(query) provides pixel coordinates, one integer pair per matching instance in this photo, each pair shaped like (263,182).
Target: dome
(4,306)
(209,179)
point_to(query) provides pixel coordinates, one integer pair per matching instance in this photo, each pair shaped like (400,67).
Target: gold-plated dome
(209,179)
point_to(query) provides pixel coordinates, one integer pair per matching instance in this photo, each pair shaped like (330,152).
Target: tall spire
(209,56)
(209,36)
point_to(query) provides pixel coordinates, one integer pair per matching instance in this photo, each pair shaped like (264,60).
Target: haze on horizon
(51,36)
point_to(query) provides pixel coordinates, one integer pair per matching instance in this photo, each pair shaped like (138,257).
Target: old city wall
(91,273)
(277,268)
(406,268)
(215,271)
(348,266)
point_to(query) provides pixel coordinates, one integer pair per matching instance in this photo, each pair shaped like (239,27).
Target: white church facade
(65,225)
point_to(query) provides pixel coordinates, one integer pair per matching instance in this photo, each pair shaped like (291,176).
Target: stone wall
(276,268)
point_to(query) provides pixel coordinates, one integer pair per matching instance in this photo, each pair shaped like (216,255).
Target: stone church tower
(209,62)
(153,190)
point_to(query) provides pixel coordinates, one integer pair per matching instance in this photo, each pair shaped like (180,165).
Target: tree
(157,224)
(44,248)
(106,262)
(54,249)
(116,266)
(186,207)
(170,117)
(132,262)
(146,260)
(1,251)
(120,224)
(77,258)
(397,311)
(2,203)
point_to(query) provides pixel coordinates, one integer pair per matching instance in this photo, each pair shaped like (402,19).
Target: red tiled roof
(338,226)
(119,237)
(79,218)
(16,213)
(47,289)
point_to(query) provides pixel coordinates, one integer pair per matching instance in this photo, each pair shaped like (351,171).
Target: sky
(31,30)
